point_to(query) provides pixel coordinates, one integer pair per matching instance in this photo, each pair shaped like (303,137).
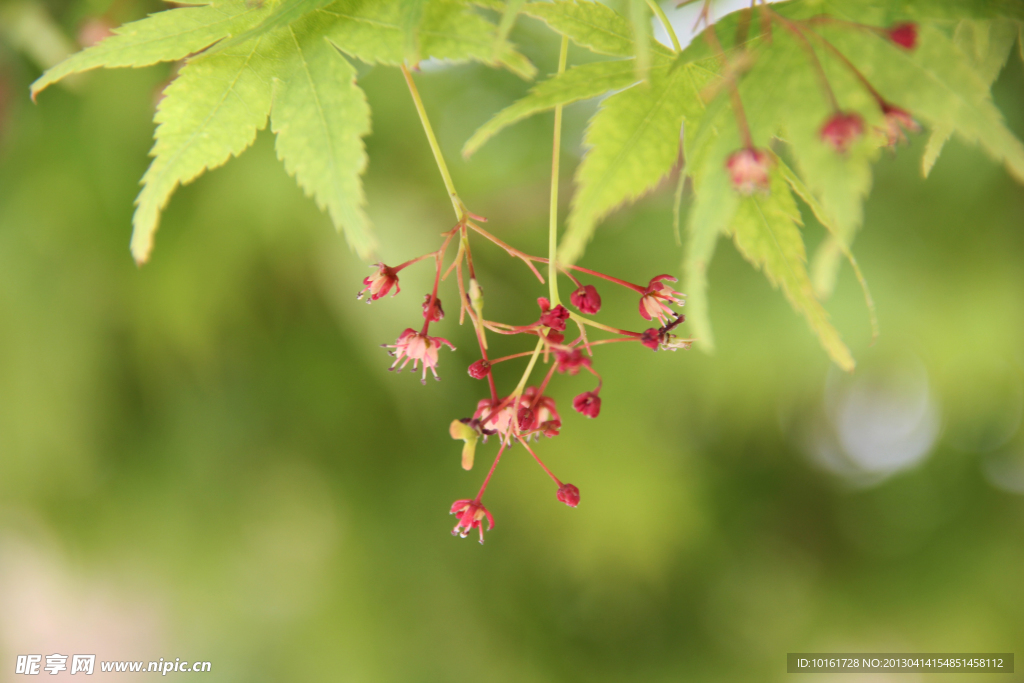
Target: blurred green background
(205,458)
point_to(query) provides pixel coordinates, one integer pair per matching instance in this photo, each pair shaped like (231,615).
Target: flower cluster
(749,168)
(563,341)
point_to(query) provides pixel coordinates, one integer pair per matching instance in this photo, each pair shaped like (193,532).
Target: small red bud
(588,403)
(842,129)
(904,35)
(555,318)
(569,494)
(555,337)
(525,418)
(432,310)
(749,170)
(586,299)
(479,369)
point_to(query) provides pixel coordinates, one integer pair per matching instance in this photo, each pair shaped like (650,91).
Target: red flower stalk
(749,170)
(842,129)
(479,369)
(904,35)
(586,299)
(432,310)
(588,403)
(553,317)
(569,494)
(657,296)
(414,346)
(380,283)
(898,122)
(571,361)
(471,514)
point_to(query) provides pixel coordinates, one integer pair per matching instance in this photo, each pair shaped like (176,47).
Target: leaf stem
(656,8)
(795,29)
(556,149)
(460,210)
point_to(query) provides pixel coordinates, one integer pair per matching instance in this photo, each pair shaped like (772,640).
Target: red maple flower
(657,296)
(569,494)
(432,310)
(479,369)
(571,361)
(898,122)
(842,129)
(588,403)
(904,35)
(471,514)
(414,346)
(749,170)
(586,299)
(552,317)
(380,283)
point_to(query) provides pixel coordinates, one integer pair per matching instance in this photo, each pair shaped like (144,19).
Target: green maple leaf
(163,37)
(208,114)
(280,59)
(766,231)
(320,118)
(591,25)
(578,83)
(633,142)
(987,45)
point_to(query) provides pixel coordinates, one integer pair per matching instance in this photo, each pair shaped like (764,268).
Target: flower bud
(841,130)
(571,361)
(555,337)
(555,318)
(588,403)
(586,299)
(569,494)
(904,35)
(432,310)
(749,170)
(898,122)
(525,418)
(479,369)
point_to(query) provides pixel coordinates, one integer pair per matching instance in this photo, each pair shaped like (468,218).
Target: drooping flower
(898,122)
(471,514)
(414,346)
(586,299)
(569,494)
(904,35)
(749,170)
(841,129)
(432,310)
(571,361)
(380,283)
(656,298)
(479,369)
(552,317)
(588,403)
